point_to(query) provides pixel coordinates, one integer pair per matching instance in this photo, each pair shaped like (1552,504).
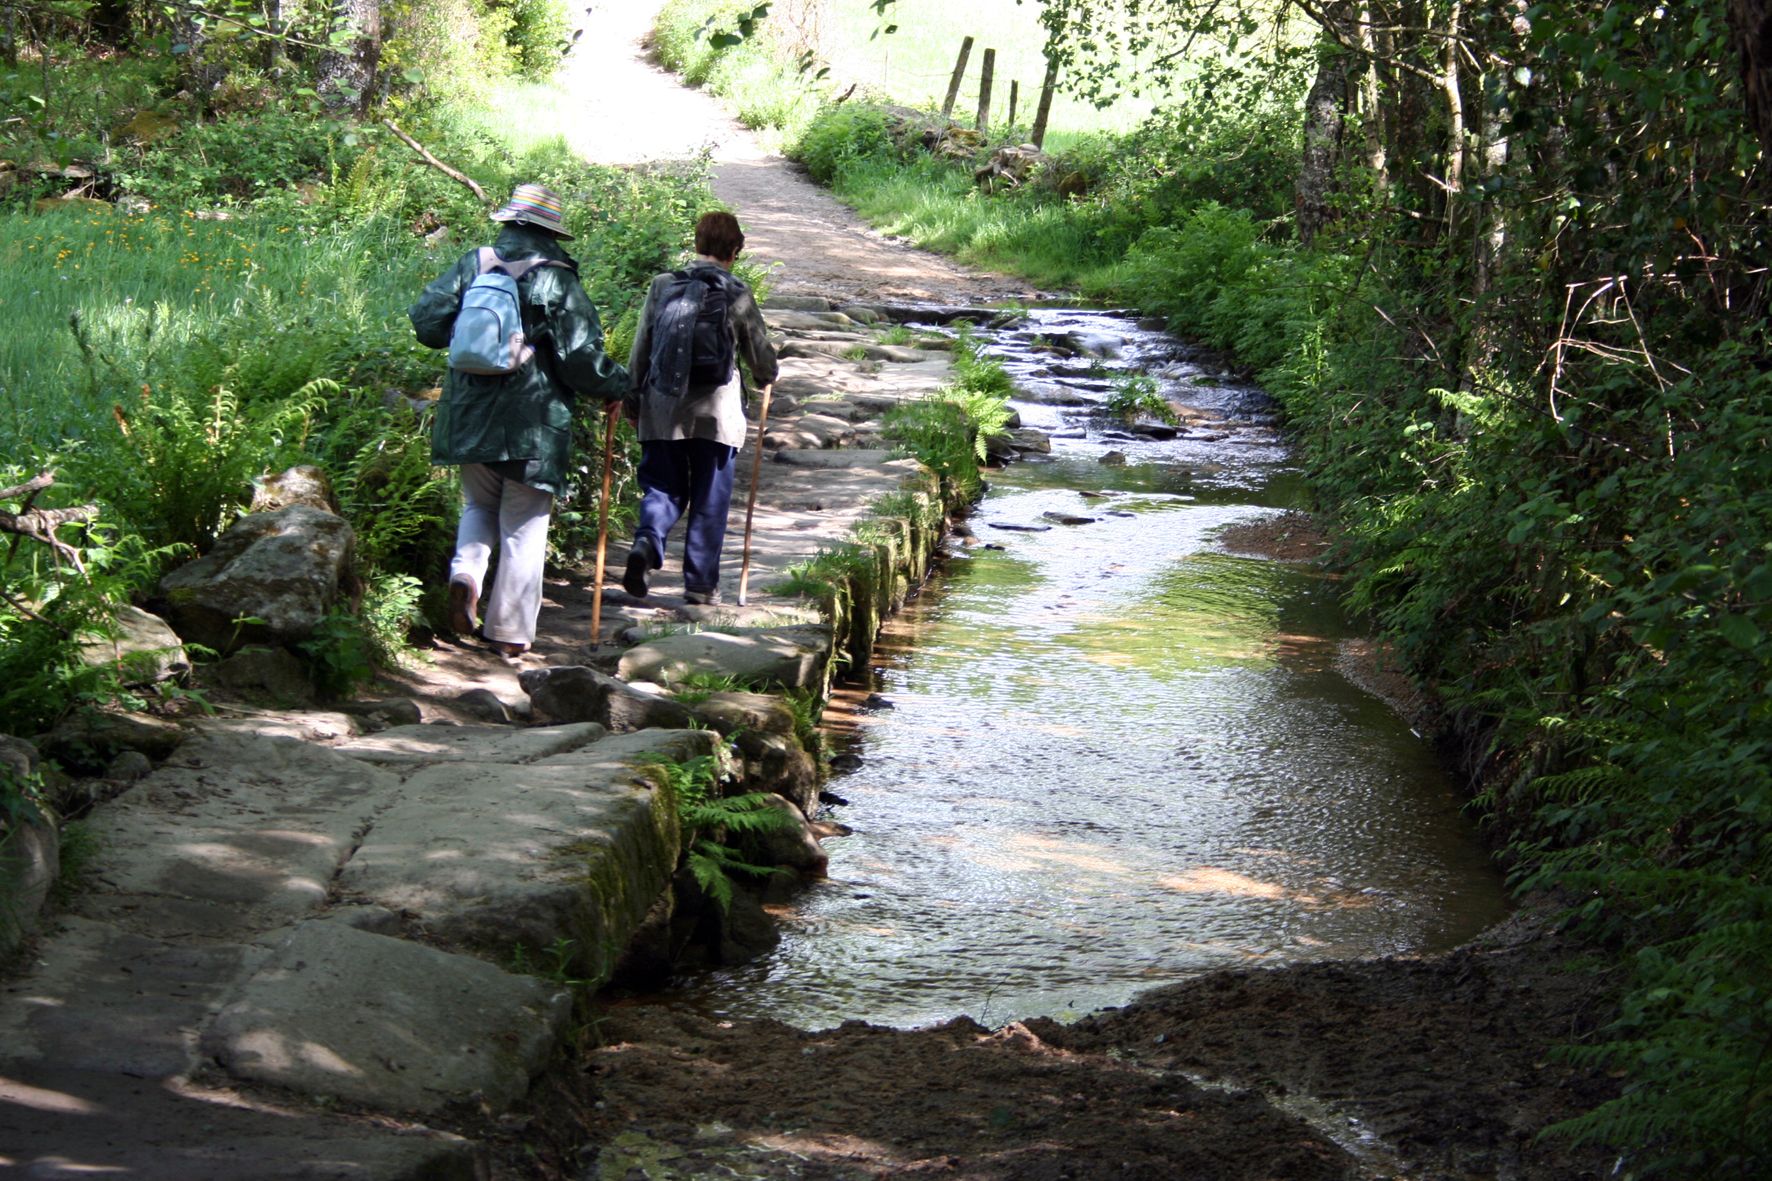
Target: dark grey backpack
(692,339)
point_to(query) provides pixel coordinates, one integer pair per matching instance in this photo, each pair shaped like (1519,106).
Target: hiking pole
(614,419)
(744,569)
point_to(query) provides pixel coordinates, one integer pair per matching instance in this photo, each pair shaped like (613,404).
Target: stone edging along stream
(290,918)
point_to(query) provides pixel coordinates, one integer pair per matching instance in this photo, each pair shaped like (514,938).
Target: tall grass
(145,288)
(935,205)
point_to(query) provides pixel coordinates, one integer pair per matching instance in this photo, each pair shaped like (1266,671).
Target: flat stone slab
(74,1125)
(856,457)
(347,1014)
(416,745)
(493,857)
(302,726)
(791,657)
(798,320)
(255,826)
(98,998)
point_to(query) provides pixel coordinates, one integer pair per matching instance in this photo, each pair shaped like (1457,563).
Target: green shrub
(709,820)
(180,462)
(237,160)
(340,654)
(839,138)
(1135,396)
(538,36)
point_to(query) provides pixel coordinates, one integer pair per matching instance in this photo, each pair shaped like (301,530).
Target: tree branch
(40,524)
(445,169)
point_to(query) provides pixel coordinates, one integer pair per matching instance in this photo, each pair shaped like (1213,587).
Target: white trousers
(514,517)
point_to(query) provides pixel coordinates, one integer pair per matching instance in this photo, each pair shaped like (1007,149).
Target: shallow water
(1110,755)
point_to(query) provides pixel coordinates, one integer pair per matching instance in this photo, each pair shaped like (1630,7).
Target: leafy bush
(1135,396)
(838,138)
(538,36)
(181,461)
(237,160)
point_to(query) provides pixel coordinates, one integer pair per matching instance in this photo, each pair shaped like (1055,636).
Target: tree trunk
(1491,155)
(1751,23)
(347,77)
(1455,136)
(1324,109)
(1372,121)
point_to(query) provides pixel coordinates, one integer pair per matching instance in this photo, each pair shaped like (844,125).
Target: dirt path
(638,113)
(1432,1068)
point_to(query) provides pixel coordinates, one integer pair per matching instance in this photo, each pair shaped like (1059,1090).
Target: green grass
(1051,243)
(147,285)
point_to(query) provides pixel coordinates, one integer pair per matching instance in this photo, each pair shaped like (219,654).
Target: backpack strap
(489,261)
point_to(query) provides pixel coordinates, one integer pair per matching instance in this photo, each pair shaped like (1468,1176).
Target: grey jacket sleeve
(753,337)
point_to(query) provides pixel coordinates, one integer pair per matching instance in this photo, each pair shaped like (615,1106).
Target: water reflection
(1116,756)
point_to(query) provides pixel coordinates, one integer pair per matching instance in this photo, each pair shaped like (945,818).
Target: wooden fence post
(947,108)
(1014,97)
(1046,89)
(984,89)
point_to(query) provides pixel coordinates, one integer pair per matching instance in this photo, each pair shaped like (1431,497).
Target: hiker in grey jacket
(689,442)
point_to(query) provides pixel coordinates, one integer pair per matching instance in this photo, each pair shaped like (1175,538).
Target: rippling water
(1110,755)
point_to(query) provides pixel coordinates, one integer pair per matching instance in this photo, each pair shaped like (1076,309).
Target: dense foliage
(1503,263)
(224,293)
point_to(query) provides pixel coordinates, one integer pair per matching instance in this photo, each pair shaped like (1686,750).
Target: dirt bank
(1441,1069)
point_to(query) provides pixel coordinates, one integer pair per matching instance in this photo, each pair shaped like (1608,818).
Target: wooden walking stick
(744,569)
(610,412)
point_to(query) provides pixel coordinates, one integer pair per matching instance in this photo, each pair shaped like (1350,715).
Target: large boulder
(779,762)
(793,843)
(353,1015)
(29,848)
(303,484)
(271,578)
(140,646)
(271,676)
(574,693)
(88,739)
(789,657)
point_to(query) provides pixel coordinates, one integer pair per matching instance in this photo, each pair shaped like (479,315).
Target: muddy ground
(1434,1068)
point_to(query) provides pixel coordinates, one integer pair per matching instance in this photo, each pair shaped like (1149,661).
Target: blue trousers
(692,478)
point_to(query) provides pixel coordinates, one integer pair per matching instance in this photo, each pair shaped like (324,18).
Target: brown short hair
(717,235)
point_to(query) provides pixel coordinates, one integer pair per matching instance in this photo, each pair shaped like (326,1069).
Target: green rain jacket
(524,416)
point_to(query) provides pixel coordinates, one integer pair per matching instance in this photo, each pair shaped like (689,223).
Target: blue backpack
(487,338)
(692,339)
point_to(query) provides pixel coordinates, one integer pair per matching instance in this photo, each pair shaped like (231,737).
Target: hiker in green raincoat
(511,432)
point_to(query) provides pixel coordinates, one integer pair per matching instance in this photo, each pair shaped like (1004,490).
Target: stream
(1102,752)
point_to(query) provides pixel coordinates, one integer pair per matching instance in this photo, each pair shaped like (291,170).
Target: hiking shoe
(634,578)
(507,649)
(703,598)
(461,606)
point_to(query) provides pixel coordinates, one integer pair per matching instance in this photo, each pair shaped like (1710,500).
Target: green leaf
(1740,631)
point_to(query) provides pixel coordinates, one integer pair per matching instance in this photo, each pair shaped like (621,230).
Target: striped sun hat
(537,206)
